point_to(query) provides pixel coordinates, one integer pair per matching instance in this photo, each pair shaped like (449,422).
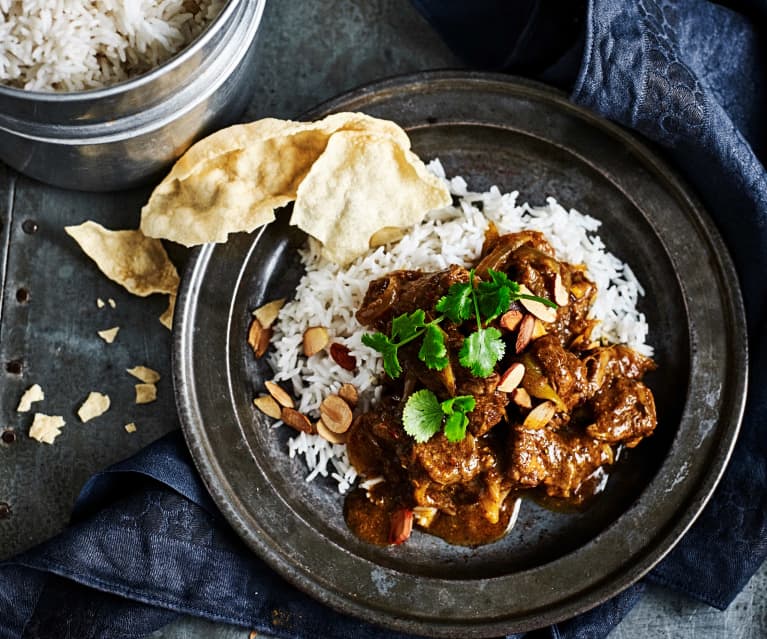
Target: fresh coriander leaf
(481,351)
(463,403)
(405,327)
(422,415)
(433,351)
(494,296)
(455,427)
(457,304)
(384,345)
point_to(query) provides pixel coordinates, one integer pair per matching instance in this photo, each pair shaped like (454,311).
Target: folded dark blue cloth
(146,542)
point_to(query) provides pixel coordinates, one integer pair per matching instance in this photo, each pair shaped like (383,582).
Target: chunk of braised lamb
(499,252)
(624,412)
(379,304)
(490,404)
(535,269)
(376,441)
(559,462)
(404,292)
(573,325)
(565,373)
(450,462)
(607,363)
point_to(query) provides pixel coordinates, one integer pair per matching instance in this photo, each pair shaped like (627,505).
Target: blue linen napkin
(146,542)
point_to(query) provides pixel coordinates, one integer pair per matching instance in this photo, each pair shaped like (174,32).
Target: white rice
(328,295)
(74,45)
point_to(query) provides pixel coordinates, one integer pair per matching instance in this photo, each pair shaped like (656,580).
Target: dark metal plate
(518,135)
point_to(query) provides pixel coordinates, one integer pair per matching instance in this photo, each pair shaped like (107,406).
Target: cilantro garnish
(405,329)
(480,351)
(424,414)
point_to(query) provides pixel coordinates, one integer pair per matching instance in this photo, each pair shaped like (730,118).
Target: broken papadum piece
(360,181)
(234,179)
(138,263)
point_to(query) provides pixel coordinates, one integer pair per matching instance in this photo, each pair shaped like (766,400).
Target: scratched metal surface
(309,50)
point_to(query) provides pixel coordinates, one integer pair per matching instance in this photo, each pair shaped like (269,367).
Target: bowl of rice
(104,95)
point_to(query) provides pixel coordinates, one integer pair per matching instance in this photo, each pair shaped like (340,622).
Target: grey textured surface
(309,50)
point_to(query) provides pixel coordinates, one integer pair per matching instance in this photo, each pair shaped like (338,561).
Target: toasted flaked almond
(525,333)
(276,391)
(512,377)
(400,525)
(561,296)
(267,313)
(297,420)
(511,319)
(521,398)
(386,235)
(350,394)
(342,356)
(541,311)
(259,337)
(539,329)
(328,435)
(315,339)
(336,414)
(540,416)
(268,406)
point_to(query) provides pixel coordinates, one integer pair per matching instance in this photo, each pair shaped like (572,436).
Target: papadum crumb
(109,334)
(96,404)
(33,394)
(46,428)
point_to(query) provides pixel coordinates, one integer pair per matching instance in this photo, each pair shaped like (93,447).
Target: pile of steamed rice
(61,45)
(329,295)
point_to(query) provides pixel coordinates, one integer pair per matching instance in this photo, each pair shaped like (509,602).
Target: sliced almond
(328,435)
(268,406)
(512,377)
(521,398)
(258,337)
(267,313)
(315,339)
(540,416)
(350,394)
(511,319)
(541,311)
(386,235)
(561,297)
(525,333)
(343,356)
(336,414)
(282,397)
(297,420)
(400,525)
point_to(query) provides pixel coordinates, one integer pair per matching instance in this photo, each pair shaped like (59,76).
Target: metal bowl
(552,565)
(123,135)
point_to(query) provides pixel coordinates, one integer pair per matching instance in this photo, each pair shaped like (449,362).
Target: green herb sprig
(480,351)
(424,415)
